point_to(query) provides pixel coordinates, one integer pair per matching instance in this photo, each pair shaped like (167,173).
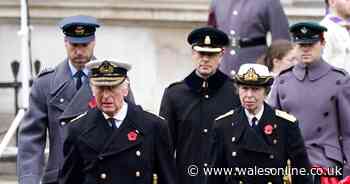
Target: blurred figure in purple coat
(247,22)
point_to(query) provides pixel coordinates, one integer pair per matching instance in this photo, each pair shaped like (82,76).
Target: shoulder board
(229,113)
(285,115)
(286,70)
(78,117)
(45,71)
(175,83)
(340,70)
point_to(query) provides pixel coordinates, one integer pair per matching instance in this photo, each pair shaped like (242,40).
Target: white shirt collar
(120,116)
(257,115)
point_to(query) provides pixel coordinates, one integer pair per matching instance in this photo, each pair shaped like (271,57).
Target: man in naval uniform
(191,105)
(256,136)
(116,141)
(318,95)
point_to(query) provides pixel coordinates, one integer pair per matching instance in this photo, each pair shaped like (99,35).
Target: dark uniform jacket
(190,106)
(237,144)
(53,99)
(318,95)
(246,20)
(139,148)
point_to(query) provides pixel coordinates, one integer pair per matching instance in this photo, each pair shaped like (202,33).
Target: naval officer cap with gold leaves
(254,75)
(107,72)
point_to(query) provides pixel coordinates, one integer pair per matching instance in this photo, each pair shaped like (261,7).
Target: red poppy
(132,136)
(268,129)
(92,103)
(345,180)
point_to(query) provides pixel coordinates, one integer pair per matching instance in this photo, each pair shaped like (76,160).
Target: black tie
(79,76)
(111,121)
(254,125)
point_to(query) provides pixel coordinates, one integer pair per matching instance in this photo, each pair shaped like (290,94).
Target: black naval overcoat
(237,145)
(133,153)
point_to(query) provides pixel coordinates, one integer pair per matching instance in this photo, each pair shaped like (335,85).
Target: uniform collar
(257,115)
(316,70)
(120,116)
(74,70)
(213,83)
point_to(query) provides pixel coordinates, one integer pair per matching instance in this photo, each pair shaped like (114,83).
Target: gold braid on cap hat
(251,75)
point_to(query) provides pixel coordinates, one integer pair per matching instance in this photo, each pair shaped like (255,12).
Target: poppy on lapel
(268,129)
(132,136)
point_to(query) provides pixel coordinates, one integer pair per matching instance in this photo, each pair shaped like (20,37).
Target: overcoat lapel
(122,139)
(62,86)
(247,136)
(97,126)
(79,103)
(267,121)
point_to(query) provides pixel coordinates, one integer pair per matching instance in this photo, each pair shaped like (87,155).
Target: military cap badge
(251,75)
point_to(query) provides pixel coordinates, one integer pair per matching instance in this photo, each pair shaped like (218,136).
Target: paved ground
(8,167)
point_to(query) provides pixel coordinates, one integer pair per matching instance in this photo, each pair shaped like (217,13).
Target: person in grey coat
(318,95)
(57,95)
(247,22)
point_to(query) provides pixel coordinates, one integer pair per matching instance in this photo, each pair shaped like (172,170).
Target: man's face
(206,62)
(109,99)
(79,53)
(252,97)
(341,7)
(310,53)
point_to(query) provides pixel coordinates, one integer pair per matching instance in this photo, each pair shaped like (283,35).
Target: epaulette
(45,71)
(285,115)
(286,70)
(229,113)
(340,70)
(78,117)
(174,84)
